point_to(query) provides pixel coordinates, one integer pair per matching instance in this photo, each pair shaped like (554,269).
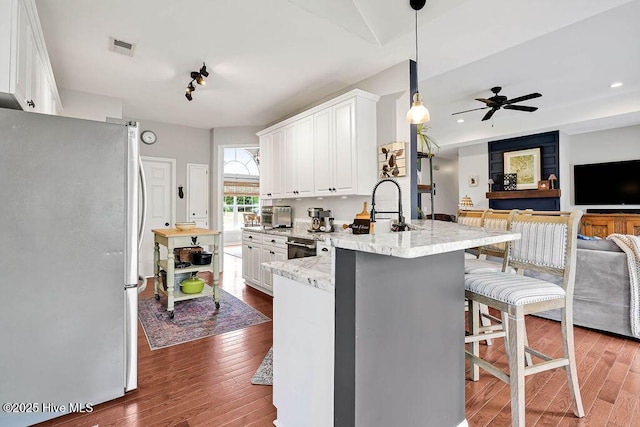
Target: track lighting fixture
(198,77)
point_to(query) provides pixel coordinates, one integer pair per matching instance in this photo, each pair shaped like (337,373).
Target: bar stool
(548,245)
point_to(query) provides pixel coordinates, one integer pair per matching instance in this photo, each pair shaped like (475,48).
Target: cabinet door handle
(251,237)
(325,250)
(273,240)
(272,253)
(31,104)
(249,247)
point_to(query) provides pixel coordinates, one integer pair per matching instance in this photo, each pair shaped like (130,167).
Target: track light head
(198,78)
(188,96)
(203,70)
(190,87)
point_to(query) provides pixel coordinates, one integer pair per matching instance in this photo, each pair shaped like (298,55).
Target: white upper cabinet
(271,165)
(328,150)
(297,158)
(26,78)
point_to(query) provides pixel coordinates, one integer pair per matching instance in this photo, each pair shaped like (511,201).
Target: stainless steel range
(299,247)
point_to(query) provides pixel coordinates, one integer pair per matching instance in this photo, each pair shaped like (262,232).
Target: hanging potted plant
(426,144)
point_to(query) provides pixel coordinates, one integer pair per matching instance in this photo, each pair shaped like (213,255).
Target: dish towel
(631,246)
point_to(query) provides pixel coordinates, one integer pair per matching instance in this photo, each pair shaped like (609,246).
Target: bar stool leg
(474,346)
(516,366)
(566,323)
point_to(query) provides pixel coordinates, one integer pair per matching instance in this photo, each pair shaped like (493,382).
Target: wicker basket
(184,254)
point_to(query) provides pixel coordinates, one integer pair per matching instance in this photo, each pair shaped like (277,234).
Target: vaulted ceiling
(268,58)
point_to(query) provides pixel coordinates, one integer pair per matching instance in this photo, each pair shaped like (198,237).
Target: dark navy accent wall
(548,143)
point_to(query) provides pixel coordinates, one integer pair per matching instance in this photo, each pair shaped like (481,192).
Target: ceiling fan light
(418,112)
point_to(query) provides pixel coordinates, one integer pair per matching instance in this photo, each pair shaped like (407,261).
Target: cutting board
(364,214)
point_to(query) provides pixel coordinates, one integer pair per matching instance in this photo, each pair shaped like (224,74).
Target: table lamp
(552,179)
(490,182)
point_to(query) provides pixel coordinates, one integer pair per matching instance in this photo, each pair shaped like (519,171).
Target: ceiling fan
(500,101)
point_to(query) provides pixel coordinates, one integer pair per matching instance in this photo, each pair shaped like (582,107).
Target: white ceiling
(269,58)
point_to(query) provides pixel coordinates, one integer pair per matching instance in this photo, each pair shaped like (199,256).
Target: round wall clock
(148,137)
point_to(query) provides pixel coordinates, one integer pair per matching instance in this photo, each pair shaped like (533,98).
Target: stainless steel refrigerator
(69,241)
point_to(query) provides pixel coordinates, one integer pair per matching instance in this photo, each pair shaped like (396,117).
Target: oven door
(300,248)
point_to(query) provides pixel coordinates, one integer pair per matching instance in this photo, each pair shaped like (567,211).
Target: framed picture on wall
(526,164)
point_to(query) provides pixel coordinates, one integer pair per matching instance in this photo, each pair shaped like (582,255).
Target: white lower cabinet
(256,249)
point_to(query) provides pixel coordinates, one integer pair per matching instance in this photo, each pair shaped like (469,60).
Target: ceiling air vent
(122,47)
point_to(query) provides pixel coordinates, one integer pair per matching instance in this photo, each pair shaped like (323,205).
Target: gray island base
(373,336)
(399,340)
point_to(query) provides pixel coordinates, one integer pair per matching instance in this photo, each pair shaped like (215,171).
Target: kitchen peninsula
(373,335)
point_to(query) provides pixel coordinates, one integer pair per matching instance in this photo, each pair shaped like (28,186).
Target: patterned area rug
(194,319)
(264,374)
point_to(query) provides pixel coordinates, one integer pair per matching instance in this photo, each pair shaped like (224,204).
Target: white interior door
(198,194)
(160,175)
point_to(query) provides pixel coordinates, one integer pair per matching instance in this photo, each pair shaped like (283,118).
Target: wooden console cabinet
(601,225)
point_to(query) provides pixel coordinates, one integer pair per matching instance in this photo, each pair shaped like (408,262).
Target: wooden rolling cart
(173,238)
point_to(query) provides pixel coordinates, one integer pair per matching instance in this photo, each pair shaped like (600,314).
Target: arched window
(241,186)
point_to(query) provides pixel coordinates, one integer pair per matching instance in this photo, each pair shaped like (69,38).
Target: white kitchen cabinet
(274,248)
(271,165)
(329,150)
(26,78)
(258,248)
(345,151)
(298,159)
(251,258)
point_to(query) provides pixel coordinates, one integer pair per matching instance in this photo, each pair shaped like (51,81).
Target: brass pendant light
(418,112)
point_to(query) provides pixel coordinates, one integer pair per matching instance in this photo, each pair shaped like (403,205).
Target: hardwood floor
(207,382)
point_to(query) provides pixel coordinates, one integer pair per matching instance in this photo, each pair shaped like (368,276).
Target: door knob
(166,224)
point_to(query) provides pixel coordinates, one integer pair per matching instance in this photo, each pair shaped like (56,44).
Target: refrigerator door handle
(143,194)
(131,337)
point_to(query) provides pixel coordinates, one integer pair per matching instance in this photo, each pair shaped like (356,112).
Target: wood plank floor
(208,382)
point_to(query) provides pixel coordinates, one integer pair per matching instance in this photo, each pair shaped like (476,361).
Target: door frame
(172,196)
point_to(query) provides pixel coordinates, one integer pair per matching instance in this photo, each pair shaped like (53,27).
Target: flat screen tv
(615,183)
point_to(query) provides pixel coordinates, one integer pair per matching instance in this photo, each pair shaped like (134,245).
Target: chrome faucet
(401,225)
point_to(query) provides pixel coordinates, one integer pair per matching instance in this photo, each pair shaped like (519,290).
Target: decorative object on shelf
(490,182)
(473,180)
(526,164)
(509,181)
(392,160)
(418,112)
(466,202)
(552,178)
(198,77)
(543,185)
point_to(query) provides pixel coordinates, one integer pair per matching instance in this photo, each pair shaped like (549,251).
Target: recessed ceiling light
(460,120)
(615,84)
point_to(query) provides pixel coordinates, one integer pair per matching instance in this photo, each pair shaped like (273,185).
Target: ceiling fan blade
(473,109)
(489,114)
(520,108)
(523,98)
(489,102)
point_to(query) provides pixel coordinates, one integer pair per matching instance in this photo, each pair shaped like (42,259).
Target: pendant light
(418,112)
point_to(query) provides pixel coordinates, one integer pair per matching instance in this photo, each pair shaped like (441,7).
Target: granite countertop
(314,270)
(424,238)
(299,230)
